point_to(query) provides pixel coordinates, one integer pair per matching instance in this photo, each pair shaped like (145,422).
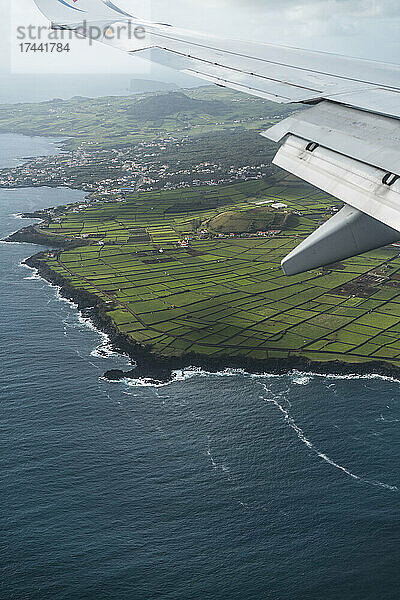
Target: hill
(146,86)
(250,221)
(165,105)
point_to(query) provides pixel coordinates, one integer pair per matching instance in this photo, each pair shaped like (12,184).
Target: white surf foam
(302,437)
(182,375)
(191,372)
(86,322)
(300,379)
(296,377)
(102,350)
(34,277)
(60,298)
(105,349)
(333,376)
(142,382)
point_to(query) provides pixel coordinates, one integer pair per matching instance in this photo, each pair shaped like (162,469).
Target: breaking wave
(34,276)
(191,372)
(104,349)
(343,376)
(296,377)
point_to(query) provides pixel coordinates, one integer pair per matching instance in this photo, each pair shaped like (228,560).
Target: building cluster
(146,166)
(205,234)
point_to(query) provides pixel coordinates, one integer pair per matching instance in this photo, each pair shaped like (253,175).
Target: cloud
(359,8)
(366,28)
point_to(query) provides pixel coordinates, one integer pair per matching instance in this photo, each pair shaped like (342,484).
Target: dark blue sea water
(215,487)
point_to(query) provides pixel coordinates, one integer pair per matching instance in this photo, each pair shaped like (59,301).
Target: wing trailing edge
(354,156)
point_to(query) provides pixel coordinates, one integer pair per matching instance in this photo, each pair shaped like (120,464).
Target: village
(147,166)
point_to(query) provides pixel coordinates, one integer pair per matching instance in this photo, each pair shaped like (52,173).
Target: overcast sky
(365,28)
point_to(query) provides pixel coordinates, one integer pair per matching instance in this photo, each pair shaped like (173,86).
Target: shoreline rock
(30,235)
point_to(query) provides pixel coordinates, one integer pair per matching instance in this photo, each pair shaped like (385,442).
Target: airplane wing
(346,142)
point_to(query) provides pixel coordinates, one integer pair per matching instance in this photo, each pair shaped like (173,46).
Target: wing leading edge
(346,144)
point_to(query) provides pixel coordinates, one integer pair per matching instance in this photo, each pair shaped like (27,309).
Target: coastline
(30,235)
(158,369)
(59,141)
(150,365)
(49,184)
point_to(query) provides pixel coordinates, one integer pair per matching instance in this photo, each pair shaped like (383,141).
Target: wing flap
(369,138)
(369,189)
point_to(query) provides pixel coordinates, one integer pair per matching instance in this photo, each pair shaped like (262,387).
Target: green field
(176,289)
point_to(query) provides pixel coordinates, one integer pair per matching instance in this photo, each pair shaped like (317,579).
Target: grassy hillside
(101,123)
(252,220)
(161,106)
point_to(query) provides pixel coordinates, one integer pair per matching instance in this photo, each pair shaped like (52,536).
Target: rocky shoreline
(30,235)
(146,364)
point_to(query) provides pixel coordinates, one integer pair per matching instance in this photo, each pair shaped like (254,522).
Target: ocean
(220,486)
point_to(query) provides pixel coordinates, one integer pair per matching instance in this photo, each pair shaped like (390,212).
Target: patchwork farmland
(177,287)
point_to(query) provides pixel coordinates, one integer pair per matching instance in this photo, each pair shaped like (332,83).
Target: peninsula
(180,273)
